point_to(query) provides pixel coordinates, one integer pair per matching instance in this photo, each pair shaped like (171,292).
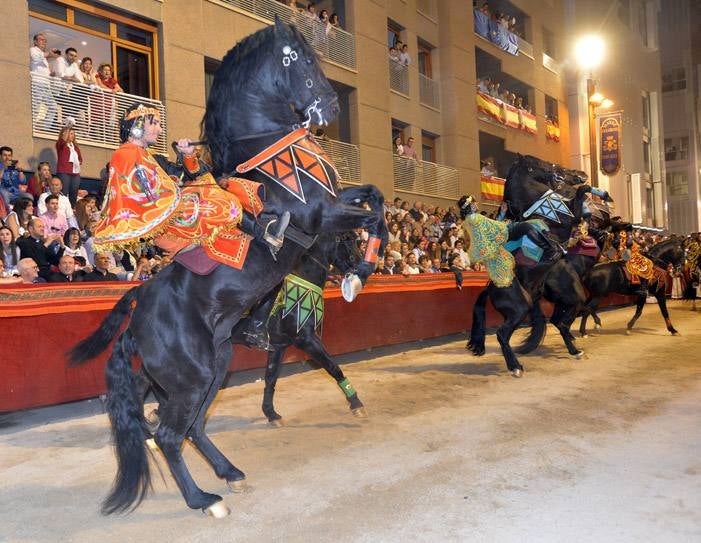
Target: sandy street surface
(455,449)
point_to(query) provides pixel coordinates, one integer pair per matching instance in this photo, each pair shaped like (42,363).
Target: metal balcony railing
(398,77)
(346,158)
(428,8)
(551,64)
(96,111)
(334,44)
(429,91)
(525,48)
(425,178)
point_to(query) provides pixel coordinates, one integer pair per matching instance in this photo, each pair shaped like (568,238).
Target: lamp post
(589,52)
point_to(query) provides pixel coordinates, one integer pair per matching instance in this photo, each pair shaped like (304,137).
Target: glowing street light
(589,52)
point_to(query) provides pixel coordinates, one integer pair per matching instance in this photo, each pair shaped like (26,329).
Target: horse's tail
(94,344)
(537,333)
(126,413)
(479,319)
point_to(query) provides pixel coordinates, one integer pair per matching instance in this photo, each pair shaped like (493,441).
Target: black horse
(523,192)
(292,325)
(267,85)
(610,277)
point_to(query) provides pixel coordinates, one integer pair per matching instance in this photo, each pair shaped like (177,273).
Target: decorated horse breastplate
(301,299)
(291,159)
(549,205)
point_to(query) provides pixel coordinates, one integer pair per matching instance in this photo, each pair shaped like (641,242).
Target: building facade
(680,47)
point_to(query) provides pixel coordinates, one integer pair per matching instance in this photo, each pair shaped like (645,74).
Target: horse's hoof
(277,423)
(585,336)
(217,510)
(360,412)
(597,326)
(579,354)
(237,487)
(518,373)
(628,332)
(151,444)
(351,287)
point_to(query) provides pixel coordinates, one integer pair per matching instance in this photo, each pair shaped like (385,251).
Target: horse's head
(670,251)
(297,76)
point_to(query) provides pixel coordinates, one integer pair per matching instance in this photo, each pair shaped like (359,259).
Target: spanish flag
(492,188)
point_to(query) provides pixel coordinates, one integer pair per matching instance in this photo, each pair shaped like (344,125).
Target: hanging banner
(610,132)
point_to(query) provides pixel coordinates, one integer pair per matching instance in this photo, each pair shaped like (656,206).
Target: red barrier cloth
(42,322)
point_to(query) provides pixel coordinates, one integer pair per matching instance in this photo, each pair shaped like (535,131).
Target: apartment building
(680,47)
(166,52)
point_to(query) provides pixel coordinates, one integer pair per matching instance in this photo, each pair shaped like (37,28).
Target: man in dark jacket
(101,273)
(44,251)
(67,272)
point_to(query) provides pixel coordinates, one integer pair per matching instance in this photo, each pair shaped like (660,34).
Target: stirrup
(275,238)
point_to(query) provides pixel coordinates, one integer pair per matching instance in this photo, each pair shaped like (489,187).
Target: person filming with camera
(14,182)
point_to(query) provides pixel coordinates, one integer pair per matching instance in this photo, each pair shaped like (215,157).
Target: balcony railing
(398,77)
(425,178)
(96,111)
(346,158)
(336,45)
(525,48)
(429,91)
(492,31)
(551,64)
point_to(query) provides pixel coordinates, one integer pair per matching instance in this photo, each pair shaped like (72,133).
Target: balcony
(337,46)
(346,158)
(493,32)
(429,92)
(495,110)
(96,111)
(425,178)
(551,64)
(525,48)
(398,77)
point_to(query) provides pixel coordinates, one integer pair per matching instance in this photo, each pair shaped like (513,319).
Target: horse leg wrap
(347,388)
(372,251)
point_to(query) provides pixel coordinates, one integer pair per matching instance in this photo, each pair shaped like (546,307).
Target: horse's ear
(279,25)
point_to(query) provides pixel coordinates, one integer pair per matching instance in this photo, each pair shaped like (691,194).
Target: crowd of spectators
(486,85)
(399,54)
(504,20)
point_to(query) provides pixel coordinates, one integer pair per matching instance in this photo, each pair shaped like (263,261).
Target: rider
(581,242)
(637,264)
(488,238)
(143,203)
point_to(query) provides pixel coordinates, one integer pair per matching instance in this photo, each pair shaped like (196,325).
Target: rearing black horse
(268,85)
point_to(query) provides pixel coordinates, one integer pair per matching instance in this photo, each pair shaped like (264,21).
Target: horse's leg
(272,372)
(565,317)
(589,309)
(640,304)
(662,303)
(514,306)
(223,468)
(310,343)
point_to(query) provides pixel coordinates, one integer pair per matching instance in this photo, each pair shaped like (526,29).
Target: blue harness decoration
(549,205)
(528,247)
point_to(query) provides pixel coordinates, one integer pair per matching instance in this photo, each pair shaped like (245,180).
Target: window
(428,147)
(49,8)
(677,184)
(549,43)
(398,130)
(647,164)
(551,112)
(674,80)
(676,148)
(394,31)
(93,22)
(424,58)
(210,68)
(646,112)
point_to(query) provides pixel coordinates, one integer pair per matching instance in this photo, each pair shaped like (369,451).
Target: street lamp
(589,52)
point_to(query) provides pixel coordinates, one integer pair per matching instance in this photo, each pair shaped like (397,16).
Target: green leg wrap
(347,388)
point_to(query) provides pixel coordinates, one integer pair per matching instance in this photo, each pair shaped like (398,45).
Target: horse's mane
(661,247)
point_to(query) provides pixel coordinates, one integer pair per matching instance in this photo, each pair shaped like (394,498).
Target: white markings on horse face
(311,110)
(309,83)
(290,56)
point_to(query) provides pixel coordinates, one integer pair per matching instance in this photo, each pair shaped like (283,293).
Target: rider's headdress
(133,120)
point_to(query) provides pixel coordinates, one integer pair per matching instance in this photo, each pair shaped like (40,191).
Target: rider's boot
(257,331)
(552,251)
(270,230)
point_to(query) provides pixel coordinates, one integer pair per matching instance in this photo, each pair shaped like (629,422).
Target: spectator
(73,246)
(398,149)
(415,211)
(485,9)
(18,219)
(67,272)
(143,271)
(410,265)
(42,250)
(88,72)
(39,182)
(393,232)
(14,182)
(102,105)
(488,168)
(394,56)
(41,85)
(311,10)
(404,57)
(68,164)
(101,270)
(483,85)
(29,271)
(55,223)
(389,266)
(425,265)
(105,78)
(409,151)
(460,251)
(10,251)
(334,20)
(64,205)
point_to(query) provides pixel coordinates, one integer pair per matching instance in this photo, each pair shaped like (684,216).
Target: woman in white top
(18,219)
(10,252)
